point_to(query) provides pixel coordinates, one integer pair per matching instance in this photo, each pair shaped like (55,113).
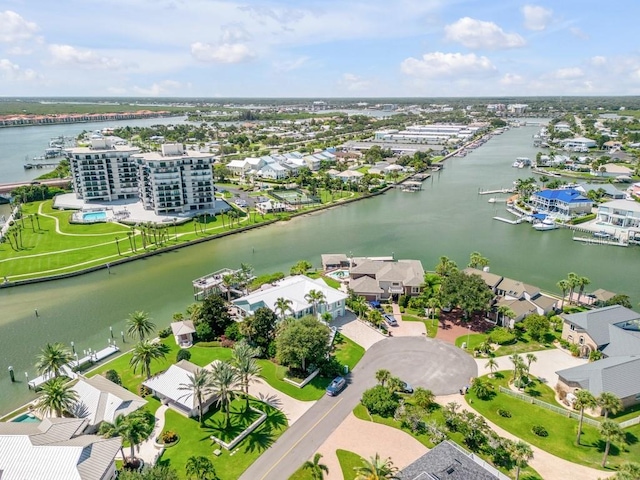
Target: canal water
(447,217)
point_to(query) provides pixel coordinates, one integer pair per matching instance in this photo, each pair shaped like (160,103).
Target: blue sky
(318,48)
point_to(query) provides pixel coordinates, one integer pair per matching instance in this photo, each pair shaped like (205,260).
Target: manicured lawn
(430,324)
(195,441)
(239,420)
(346,351)
(349,461)
(562,430)
(535,389)
(473,341)
(436,415)
(523,343)
(274,375)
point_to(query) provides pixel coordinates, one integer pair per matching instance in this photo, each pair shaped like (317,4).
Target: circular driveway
(422,362)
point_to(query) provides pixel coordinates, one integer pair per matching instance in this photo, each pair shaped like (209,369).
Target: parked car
(390,319)
(376,305)
(336,386)
(406,388)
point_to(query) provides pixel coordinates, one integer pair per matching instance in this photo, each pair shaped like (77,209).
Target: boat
(546,224)
(517,164)
(602,234)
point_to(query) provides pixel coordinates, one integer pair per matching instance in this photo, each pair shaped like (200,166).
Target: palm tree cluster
(224,380)
(569,285)
(135,428)
(521,367)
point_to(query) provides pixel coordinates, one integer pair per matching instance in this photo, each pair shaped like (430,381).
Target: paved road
(420,361)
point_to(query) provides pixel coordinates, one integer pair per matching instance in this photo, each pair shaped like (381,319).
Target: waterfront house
(238,167)
(449,461)
(579,144)
(294,288)
(166,387)
(270,206)
(274,171)
(55,449)
(183,333)
(101,400)
(613,170)
(350,176)
(381,279)
(610,191)
(562,203)
(334,261)
(619,213)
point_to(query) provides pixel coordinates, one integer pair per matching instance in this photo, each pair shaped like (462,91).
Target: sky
(318,48)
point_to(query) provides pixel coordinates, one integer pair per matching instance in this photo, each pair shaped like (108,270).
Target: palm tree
(382,376)
(144,352)
(492,365)
(246,366)
(376,469)
(628,471)
(197,387)
(223,380)
(139,325)
(521,453)
(56,396)
(582,282)
(481,387)
(564,286)
(315,298)
(517,365)
(200,468)
(531,358)
(573,283)
(611,432)
(316,468)
(610,403)
(505,312)
(282,306)
(476,260)
(51,359)
(135,428)
(445,266)
(584,399)
(228,281)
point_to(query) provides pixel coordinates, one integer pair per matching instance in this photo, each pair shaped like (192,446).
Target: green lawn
(523,343)
(562,430)
(472,340)
(430,324)
(349,461)
(239,420)
(195,441)
(347,352)
(274,376)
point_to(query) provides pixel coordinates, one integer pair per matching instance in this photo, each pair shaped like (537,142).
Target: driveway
(358,331)
(406,329)
(292,408)
(420,361)
(366,439)
(545,368)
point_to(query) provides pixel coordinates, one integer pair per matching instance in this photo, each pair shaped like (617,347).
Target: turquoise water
(94,216)
(26,418)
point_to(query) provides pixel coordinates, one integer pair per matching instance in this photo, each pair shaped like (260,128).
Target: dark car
(390,319)
(336,386)
(376,305)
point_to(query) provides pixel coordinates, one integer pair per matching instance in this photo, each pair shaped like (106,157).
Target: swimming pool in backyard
(89,217)
(340,275)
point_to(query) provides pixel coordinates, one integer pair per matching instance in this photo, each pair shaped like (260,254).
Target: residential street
(429,363)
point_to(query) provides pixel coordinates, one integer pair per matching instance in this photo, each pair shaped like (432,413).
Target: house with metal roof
(101,400)
(294,288)
(55,449)
(449,461)
(620,213)
(561,203)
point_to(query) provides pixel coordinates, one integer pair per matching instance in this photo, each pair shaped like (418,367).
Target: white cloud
(160,88)
(598,61)
(438,64)
(510,79)
(14,28)
(68,55)
(576,32)
(568,73)
(536,17)
(354,83)
(12,71)
(223,53)
(474,33)
(290,65)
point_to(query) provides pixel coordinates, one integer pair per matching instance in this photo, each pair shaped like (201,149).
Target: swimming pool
(94,217)
(26,418)
(339,274)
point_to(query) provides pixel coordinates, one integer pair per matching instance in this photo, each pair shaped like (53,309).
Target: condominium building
(175,180)
(104,170)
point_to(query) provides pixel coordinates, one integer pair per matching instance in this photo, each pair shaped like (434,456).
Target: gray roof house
(402,277)
(594,324)
(55,449)
(448,461)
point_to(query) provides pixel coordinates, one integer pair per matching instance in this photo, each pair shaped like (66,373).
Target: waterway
(447,217)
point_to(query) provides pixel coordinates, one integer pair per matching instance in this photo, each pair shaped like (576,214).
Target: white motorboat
(546,224)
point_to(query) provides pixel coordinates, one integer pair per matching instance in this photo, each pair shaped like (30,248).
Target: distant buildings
(171,181)
(430,134)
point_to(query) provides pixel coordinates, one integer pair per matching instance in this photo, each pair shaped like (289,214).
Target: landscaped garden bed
(242,422)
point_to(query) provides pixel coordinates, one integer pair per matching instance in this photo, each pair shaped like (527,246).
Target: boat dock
(511,222)
(220,281)
(67,369)
(493,192)
(29,166)
(600,241)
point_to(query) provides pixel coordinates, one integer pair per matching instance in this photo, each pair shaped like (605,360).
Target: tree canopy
(213,312)
(302,342)
(469,292)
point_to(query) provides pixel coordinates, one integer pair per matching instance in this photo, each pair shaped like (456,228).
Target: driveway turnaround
(423,362)
(358,331)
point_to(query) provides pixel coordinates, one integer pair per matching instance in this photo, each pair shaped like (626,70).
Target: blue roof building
(562,203)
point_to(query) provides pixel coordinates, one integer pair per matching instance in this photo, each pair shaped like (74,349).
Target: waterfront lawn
(473,340)
(195,441)
(346,351)
(430,325)
(562,430)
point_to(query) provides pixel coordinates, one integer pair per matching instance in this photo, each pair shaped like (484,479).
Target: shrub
(540,431)
(226,342)
(143,390)
(380,401)
(504,413)
(330,367)
(204,332)
(232,332)
(574,349)
(168,436)
(501,336)
(271,350)
(214,343)
(113,376)
(183,354)
(403,301)
(165,332)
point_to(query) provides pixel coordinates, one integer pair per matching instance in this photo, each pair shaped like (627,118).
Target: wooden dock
(511,222)
(600,241)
